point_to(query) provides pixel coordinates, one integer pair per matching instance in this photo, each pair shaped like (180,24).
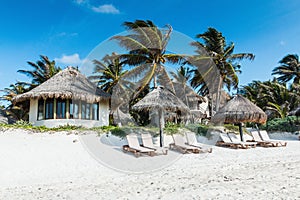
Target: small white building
(67,98)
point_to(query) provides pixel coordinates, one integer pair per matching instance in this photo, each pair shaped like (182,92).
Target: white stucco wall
(103,117)
(33,109)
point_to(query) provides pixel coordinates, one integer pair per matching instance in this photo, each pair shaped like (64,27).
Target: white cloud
(80,1)
(106,8)
(282,43)
(62,34)
(70,59)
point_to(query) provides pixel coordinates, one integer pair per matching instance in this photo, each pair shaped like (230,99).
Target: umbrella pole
(241,132)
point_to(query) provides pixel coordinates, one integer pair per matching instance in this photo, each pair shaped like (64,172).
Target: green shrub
(171,128)
(199,129)
(287,124)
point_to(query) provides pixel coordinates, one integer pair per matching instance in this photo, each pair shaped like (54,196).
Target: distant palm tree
(147,45)
(180,82)
(224,59)
(289,69)
(253,92)
(18,111)
(272,96)
(108,72)
(43,70)
(279,98)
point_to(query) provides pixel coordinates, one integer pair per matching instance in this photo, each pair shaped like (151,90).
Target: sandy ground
(60,166)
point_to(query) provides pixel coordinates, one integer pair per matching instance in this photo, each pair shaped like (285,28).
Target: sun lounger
(180,144)
(265,137)
(148,143)
(226,141)
(257,138)
(234,138)
(192,141)
(134,146)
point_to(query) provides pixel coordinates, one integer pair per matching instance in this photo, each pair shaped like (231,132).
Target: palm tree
(289,69)
(224,59)
(278,98)
(253,92)
(43,70)
(20,110)
(108,72)
(147,44)
(272,96)
(180,81)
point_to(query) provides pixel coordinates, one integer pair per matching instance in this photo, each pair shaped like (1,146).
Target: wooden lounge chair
(257,138)
(226,141)
(134,146)
(234,138)
(180,144)
(265,137)
(192,141)
(148,143)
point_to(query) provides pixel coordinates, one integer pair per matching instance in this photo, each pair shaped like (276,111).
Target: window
(88,111)
(74,109)
(49,109)
(40,115)
(60,109)
(83,110)
(95,111)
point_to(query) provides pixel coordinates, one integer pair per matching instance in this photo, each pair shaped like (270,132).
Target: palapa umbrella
(161,99)
(239,110)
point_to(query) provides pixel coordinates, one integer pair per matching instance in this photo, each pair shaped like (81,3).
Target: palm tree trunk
(212,106)
(218,99)
(161,127)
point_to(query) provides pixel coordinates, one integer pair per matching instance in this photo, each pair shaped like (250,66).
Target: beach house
(67,98)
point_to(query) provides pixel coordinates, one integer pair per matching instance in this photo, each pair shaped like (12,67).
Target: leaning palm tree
(43,70)
(289,69)
(108,72)
(224,59)
(146,45)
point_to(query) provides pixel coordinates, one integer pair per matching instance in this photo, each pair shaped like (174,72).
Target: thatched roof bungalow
(67,98)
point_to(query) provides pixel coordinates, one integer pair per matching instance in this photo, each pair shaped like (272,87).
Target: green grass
(28,126)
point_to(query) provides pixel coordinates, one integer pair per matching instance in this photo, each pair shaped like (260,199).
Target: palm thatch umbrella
(67,84)
(161,99)
(239,110)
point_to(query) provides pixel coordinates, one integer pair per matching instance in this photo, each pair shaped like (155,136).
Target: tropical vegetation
(42,70)
(143,67)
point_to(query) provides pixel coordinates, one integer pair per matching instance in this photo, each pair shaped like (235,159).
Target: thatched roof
(161,98)
(239,109)
(67,84)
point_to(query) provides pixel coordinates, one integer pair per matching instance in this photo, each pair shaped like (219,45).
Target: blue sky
(67,30)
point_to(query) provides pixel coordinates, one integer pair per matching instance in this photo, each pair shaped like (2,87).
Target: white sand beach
(58,166)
